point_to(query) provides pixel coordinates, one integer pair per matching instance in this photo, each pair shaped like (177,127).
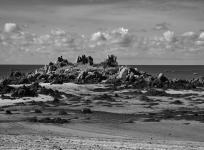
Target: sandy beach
(115,123)
(101,75)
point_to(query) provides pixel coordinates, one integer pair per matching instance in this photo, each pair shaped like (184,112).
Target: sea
(171,71)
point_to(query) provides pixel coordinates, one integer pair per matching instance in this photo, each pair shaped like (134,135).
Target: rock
(24,92)
(129,121)
(38,111)
(85,60)
(4,89)
(123,73)
(156,92)
(62,112)
(181,84)
(53,120)
(8,112)
(111,61)
(86,111)
(162,78)
(24,81)
(57,81)
(90,60)
(177,102)
(82,76)
(16,74)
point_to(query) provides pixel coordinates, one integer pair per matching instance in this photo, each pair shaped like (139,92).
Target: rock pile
(28,91)
(107,72)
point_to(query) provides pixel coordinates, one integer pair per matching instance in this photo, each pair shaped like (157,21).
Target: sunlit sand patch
(40,98)
(171,91)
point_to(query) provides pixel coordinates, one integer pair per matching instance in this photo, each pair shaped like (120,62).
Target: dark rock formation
(111,61)
(85,60)
(24,91)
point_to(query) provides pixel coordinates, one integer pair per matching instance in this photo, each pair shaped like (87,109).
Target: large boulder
(24,92)
(162,78)
(81,77)
(123,73)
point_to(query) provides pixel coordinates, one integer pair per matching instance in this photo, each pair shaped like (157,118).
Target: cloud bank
(17,45)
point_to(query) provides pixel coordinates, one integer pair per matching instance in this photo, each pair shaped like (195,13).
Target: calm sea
(5,70)
(171,71)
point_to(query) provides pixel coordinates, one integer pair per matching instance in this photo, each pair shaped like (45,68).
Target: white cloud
(199,43)
(201,36)
(118,41)
(11,27)
(169,36)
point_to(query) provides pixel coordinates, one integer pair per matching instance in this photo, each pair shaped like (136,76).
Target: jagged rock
(181,84)
(5,82)
(24,92)
(123,73)
(57,81)
(156,92)
(4,89)
(111,61)
(16,74)
(85,60)
(162,78)
(82,76)
(24,81)
(8,112)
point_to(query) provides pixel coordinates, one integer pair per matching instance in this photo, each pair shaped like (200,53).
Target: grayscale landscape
(102,74)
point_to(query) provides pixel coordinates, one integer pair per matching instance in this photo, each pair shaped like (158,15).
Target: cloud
(162,26)
(201,36)
(120,41)
(11,27)
(117,37)
(169,36)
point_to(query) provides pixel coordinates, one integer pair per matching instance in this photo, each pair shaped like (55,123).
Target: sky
(138,32)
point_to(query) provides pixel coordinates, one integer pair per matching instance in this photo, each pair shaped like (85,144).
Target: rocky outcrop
(107,72)
(24,91)
(85,60)
(111,61)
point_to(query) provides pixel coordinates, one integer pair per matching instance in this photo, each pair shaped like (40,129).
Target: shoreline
(126,105)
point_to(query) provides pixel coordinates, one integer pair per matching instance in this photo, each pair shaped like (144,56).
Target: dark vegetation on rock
(28,91)
(85,60)
(58,120)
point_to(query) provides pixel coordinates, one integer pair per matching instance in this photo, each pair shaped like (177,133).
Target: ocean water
(5,70)
(175,71)
(171,71)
